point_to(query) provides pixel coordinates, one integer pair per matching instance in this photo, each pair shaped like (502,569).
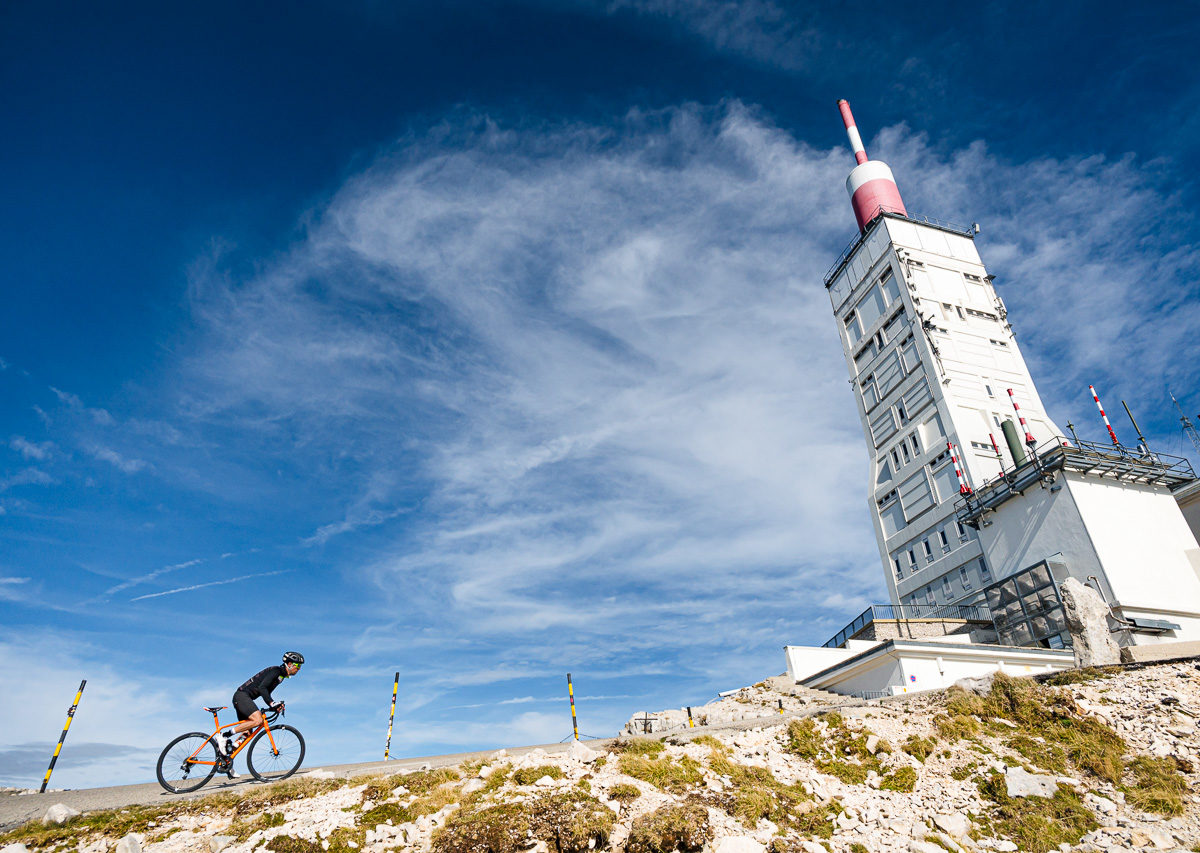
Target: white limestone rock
(956,825)
(59,813)
(217,843)
(737,844)
(1022,783)
(14,848)
(580,751)
(129,844)
(1087,620)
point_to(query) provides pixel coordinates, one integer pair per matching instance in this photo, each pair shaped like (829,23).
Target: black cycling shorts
(244,705)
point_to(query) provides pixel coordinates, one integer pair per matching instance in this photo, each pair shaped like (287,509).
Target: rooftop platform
(1104,461)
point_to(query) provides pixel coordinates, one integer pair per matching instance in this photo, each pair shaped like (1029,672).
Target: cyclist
(257,686)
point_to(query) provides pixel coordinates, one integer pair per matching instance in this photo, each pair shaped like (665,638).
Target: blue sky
(485,342)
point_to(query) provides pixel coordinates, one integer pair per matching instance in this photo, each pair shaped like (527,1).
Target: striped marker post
(571,694)
(1029,439)
(1111,434)
(781,706)
(63,736)
(996,448)
(691,722)
(395,687)
(963,488)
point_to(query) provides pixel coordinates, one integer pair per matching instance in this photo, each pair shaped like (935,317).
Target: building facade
(932,360)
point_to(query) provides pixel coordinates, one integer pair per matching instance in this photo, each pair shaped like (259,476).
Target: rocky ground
(1099,761)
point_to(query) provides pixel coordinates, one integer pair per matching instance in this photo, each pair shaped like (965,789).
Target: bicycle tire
(172,763)
(274,766)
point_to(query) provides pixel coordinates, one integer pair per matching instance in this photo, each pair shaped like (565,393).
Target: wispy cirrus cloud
(602,363)
(125,464)
(39,451)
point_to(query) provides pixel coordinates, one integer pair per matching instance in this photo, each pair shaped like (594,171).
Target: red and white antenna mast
(1111,434)
(963,488)
(1029,439)
(871,185)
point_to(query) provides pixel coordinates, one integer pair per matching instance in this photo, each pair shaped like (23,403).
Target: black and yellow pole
(63,736)
(571,694)
(691,722)
(781,706)
(395,687)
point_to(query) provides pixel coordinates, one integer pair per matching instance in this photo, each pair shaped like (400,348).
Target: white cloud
(601,364)
(25,477)
(123,463)
(29,449)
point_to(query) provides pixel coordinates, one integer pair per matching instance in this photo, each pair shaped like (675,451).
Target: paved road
(16,809)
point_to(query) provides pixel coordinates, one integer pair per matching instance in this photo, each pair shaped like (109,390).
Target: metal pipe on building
(1142,446)
(1014,442)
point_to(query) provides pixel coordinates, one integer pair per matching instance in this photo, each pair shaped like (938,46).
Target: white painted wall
(1031,527)
(803,661)
(1145,546)
(930,666)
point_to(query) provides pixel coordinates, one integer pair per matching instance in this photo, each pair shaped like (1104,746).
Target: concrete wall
(1189,504)
(803,661)
(909,668)
(1033,526)
(917,629)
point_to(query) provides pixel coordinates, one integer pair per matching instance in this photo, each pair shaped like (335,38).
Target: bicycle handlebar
(273,714)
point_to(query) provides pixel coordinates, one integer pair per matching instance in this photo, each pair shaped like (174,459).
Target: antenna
(1111,434)
(1142,446)
(1188,429)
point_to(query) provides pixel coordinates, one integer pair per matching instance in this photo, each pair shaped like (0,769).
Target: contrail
(210,583)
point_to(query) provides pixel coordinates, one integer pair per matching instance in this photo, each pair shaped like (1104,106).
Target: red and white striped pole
(1029,439)
(996,448)
(1111,434)
(963,488)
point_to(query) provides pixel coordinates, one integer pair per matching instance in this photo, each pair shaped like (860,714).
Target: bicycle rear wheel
(271,763)
(187,762)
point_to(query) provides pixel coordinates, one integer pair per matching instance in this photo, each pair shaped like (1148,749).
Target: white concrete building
(932,359)
(974,501)
(894,667)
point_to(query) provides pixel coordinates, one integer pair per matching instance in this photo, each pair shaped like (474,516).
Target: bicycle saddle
(214,710)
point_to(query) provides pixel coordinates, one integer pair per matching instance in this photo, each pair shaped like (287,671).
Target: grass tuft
(663,773)
(669,829)
(529,775)
(1034,824)
(1158,786)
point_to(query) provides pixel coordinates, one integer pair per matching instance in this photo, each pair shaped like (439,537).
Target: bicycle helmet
(293,657)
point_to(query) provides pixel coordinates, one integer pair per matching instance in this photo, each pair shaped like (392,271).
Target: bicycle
(189,761)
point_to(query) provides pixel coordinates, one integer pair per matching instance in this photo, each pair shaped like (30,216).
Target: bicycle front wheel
(187,762)
(277,755)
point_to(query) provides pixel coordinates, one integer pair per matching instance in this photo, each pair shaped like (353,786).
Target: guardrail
(974,612)
(883,211)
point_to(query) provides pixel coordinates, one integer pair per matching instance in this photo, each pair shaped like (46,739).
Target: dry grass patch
(1034,824)
(902,779)
(836,750)
(624,793)
(1049,729)
(683,828)
(529,775)
(570,822)
(1158,786)
(664,772)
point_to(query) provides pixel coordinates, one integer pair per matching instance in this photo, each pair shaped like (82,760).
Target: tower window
(928,550)
(945,542)
(947,590)
(912,559)
(961,316)
(988,388)
(984,571)
(916,444)
(962,531)
(964,577)
(899,571)
(902,413)
(904,450)
(896,458)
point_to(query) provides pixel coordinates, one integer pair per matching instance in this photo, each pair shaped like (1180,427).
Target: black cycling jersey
(260,685)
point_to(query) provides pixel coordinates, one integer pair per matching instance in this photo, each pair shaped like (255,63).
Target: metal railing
(883,211)
(893,612)
(1108,461)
